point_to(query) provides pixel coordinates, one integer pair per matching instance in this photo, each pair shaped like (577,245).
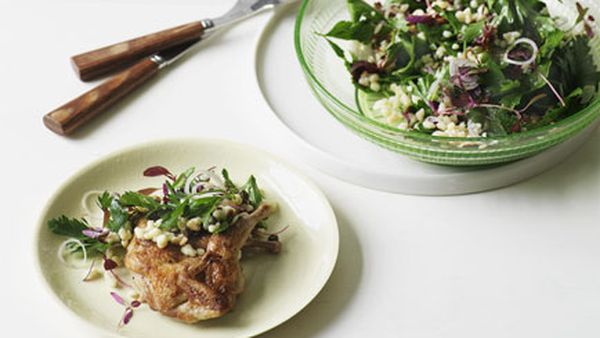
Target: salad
(459,68)
(197,218)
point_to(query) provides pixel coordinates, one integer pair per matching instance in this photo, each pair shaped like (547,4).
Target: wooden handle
(72,115)
(96,63)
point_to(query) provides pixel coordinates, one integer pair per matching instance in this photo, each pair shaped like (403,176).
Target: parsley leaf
(118,216)
(65,226)
(104,200)
(472,31)
(573,67)
(72,227)
(134,199)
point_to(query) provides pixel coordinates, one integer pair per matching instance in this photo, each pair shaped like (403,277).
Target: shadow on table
(336,294)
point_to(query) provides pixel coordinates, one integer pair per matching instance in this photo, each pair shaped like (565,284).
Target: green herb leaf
(65,226)
(472,31)
(73,228)
(337,49)
(201,206)
(573,67)
(104,200)
(229,185)
(134,199)
(402,54)
(182,178)
(118,216)
(559,112)
(360,31)
(254,194)
(552,42)
(361,10)
(171,219)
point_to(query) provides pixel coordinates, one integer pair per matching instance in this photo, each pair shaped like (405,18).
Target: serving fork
(139,60)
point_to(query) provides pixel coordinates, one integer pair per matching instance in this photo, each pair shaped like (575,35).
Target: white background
(517,262)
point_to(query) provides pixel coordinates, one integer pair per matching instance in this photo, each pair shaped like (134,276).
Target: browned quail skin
(192,289)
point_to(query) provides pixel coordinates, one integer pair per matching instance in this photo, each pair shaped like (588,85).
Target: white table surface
(517,262)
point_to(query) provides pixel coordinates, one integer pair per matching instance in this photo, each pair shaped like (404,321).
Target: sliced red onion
(63,247)
(86,278)
(554,91)
(136,304)
(119,279)
(118,298)
(532,58)
(215,179)
(189,181)
(198,187)
(210,174)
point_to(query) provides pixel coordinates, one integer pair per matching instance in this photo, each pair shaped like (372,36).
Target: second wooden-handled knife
(145,56)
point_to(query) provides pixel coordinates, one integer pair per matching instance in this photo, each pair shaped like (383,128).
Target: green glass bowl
(332,86)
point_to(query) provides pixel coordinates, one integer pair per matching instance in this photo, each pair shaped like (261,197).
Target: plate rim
(163,141)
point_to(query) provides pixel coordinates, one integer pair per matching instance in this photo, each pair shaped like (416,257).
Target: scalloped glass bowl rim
(591,109)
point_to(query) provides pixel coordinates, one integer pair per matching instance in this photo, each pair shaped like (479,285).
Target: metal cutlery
(145,56)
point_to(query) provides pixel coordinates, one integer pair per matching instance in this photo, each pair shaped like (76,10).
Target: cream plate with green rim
(277,286)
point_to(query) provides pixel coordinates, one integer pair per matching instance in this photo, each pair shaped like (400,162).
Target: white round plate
(277,286)
(329,146)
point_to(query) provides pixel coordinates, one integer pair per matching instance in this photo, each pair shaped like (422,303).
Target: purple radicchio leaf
(165,191)
(434,105)
(424,19)
(359,67)
(158,171)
